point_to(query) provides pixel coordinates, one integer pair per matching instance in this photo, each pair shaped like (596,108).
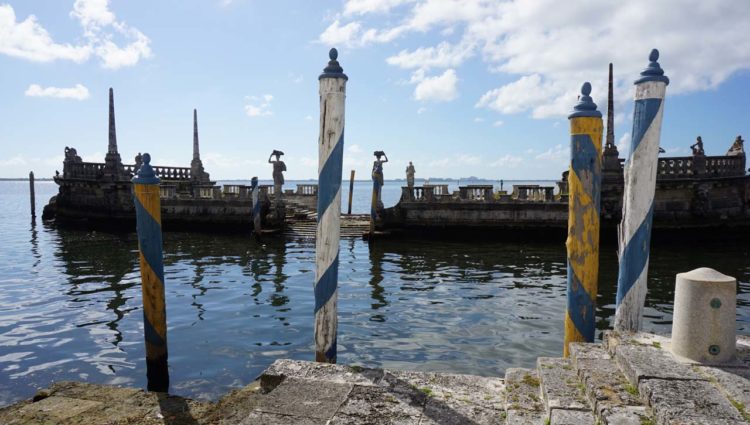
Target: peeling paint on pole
(330,162)
(148,219)
(634,233)
(584,187)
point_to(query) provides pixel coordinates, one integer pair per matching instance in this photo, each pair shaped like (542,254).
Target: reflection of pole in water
(31,195)
(148,220)
(376,276)
(201,290)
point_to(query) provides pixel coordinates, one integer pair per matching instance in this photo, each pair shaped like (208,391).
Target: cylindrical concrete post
(351,191)
(584,181)
(256,206)
(704,318)
(31,194)
(148,220)
(330,163)
(634,233)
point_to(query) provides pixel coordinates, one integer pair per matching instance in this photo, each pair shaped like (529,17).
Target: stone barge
(697,191)
(101,194)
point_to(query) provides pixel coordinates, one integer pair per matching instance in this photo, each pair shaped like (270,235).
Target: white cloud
(29,40)
(623,144)
(507,161)
(79,92)
(455,161)
(444,55)
(498,123)
(545,56)
(556,155)
(441,88)
(354,148)
(421,110)
(308,117)
(477,119)
(258,106)
(361,7)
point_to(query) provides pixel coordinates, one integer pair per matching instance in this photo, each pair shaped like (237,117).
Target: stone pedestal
(703,327)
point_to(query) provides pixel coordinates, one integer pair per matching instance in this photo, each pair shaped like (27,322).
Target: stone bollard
(704,323)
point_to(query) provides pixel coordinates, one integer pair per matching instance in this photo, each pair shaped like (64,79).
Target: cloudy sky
(459,87)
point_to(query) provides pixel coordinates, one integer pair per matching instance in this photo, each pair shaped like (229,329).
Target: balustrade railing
(699,166)
(478,192)
(307,189)
(83,170)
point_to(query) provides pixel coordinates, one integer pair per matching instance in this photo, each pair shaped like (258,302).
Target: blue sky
(459,87)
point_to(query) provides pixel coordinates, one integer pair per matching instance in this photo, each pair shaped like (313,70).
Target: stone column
(330,162)
(112,162)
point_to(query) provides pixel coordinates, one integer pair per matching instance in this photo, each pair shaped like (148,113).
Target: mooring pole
(634,233)
(148,220)
(31,194)
(330,159)
(584,187)
(256,206)
(351,190)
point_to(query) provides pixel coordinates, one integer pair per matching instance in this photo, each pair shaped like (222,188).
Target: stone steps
(562,393)
(523,403)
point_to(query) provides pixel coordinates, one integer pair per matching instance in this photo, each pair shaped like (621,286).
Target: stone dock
(627,379)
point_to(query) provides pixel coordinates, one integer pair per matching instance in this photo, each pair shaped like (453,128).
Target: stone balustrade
(476,192)
(167,191)
(699,166)
(172,173)
(83,170)
(307,189)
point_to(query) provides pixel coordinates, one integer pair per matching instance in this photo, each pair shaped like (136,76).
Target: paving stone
(486,392)
(305,398)
(614,399)
(559,385)
(368,404)
(523,403)
(734,383)
(688,402)
(279,370)
(571,417)
(344,374)
(453,411)
(258,418)
(639,362)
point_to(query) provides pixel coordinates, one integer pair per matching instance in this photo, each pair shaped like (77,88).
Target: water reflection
(376,277)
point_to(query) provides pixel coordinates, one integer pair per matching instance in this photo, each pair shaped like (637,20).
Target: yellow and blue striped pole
(148,218)
(638,197)
(584,188)
(330,165)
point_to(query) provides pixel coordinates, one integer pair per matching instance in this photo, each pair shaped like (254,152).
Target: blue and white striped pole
(634,233)
(330,161)
(256,205)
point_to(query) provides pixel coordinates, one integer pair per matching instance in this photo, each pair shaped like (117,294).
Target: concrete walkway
(630,379)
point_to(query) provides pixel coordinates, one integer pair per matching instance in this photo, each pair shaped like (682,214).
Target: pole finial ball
(146,158)
(586,89)
(333,54)
(654,55)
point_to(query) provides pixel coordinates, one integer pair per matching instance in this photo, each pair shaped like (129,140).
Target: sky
(459,87)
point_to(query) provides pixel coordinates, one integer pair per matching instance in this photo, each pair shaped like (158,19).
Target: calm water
(70,302)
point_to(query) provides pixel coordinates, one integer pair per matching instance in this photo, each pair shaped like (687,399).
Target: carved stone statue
(278,169)
(377,175)
(71,155)
(697,147)
(410,175)
(737,147)
(138,161)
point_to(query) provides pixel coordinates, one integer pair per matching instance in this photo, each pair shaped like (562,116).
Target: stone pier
(626,379)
